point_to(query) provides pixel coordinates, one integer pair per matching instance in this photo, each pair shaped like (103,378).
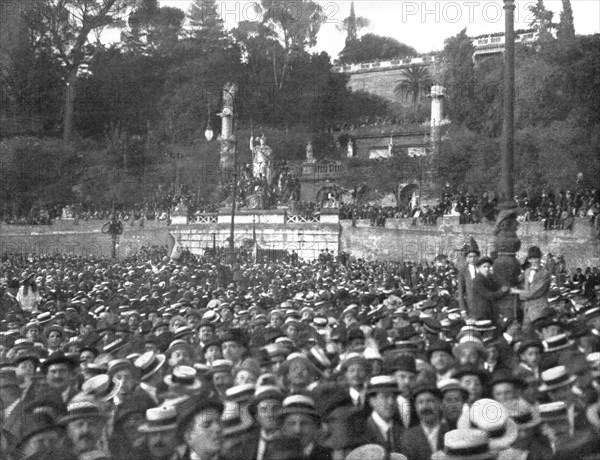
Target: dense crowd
(337,358)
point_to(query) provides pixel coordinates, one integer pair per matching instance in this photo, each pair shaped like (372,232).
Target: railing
(499,41)
(383,64)
(328,168)
(204,219)
(291,219)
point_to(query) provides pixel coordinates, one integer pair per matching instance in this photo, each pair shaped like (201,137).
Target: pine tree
(205,22)
(566,28)
(542,21)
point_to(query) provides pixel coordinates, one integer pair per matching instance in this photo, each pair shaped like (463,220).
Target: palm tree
(414,80)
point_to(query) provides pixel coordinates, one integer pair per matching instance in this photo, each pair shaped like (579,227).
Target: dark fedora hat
(483,375)
(506,376)
(34,424)
(58,357)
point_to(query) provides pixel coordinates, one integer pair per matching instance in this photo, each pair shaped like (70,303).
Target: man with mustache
(85,423)
(160,426)
(59,371)
(421,441)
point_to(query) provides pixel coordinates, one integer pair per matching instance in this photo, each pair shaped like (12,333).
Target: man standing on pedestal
(486,291)
(536,285)
(466,276)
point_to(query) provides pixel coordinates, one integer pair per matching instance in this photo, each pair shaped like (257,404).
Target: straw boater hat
(299,404)
(101,387)
(556,377)
(382,384)
(184,377)
(523,413)
(220,365)
(149,363)
(240,394)
(82,409)
(467,444)
(493,418)
(264,393)
(159,419)
(373,452)
(554,411)
(469,341)
(557,343)
(593,415)
(234,423)
(296,356)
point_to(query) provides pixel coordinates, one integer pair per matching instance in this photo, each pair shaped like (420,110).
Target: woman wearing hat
(53,337)
(28,295)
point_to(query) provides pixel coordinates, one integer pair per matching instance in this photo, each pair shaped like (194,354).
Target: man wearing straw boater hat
(160,431)
(301,421)
(85,423)
(381,428)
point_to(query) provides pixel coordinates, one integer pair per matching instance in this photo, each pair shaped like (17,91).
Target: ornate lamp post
(506,266)
(228,158)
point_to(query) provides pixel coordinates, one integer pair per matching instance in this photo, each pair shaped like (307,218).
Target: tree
(206,25)
(459,78)
(415,80)
(153,29)
(373,47)
(566,27)
(67,25)
(542,21)
(296,24)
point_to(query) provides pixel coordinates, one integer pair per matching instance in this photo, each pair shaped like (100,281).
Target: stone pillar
(438,94)
(228,142)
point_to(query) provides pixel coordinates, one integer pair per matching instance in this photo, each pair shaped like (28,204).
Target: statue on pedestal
(350,148)
(261,159)
(309,153)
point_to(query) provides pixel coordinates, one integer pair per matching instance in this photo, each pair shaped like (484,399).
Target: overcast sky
(423,25)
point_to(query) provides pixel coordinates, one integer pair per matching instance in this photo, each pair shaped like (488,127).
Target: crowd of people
(337,358)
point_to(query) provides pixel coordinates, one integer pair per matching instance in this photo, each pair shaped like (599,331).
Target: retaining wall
(399,240)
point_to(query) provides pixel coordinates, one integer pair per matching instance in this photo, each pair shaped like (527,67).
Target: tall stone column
(438,94)
(228,141)
(506,267)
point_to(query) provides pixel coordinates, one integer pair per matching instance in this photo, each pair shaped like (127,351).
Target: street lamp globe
(208,134)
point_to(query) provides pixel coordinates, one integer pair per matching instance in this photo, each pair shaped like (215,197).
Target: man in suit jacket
(536,285)
(421,441)
(381,428)
(466,275)
(486,291)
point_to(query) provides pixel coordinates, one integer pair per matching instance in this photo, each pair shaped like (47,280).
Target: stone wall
(382,83)
(63,237)
(399,240)
(403,240)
